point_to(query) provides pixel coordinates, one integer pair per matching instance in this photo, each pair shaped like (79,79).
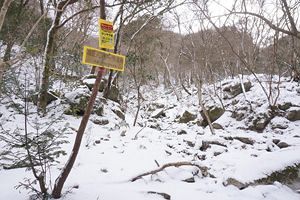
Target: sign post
(103,60)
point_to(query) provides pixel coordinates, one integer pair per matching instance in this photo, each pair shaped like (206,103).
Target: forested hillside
(161,99)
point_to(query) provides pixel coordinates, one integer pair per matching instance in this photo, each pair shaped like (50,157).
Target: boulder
(181,132)
(234,90)
(293,115)
(77,108)
(245,140)
(100,121)
(51,96)
(238,115)
(162,194)
(285,106)
(114,94)
(288,175)
(234,182)
(119,113)
(158,113)
(187,117)
(89,81)
(189,180)
(217,126)
(214,113)
(258,123)
(275,141)
(99,110)
(282,145)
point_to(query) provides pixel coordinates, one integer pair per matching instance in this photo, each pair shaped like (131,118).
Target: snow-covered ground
(110,155)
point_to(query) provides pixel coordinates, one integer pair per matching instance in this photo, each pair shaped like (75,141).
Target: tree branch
(174,164)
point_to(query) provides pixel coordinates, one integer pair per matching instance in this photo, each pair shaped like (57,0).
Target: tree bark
(102,16)
(3,11)
(59,182)
(48,62)
(49,53)
(7,53)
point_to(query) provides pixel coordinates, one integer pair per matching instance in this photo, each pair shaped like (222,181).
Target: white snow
(108,159)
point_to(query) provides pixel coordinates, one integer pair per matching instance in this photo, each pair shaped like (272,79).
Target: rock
(214,113)
(245,140)
(205,145)
(89,81)
(76,186)
(158,113)
(217,126)
(276,141)
(99,110)
(100,121)
(279,123)
(77,108)
(234,90)
(288,175)
(217,153)
(189,180)
(190,143)
(155,126)
(119,113)
(51,96)
(259,123)
(114,94)
(285,106)
(293,115)
(158,105)
(282,145)
(181,132)
(97,141)
(123,133)
(238,115)
(164,195)
(103,84)
(234,182)
(187,117)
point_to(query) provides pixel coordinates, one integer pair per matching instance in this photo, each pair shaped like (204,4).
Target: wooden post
(59,182)
(102,16)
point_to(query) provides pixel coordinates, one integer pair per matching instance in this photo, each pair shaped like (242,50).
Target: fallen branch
(175,164)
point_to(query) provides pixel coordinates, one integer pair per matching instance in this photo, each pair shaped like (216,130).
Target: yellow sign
(106,33)
(96,57)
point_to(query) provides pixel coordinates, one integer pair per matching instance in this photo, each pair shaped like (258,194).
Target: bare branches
(270,24)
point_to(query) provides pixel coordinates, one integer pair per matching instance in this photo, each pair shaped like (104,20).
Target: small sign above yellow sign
(106,33)
(100,58)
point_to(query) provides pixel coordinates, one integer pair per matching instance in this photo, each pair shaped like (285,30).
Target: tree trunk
(7,53)
(3,11)
(48,62)
(199,87)
(59,182)
(102,16)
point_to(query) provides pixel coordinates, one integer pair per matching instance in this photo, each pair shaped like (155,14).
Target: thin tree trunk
(49,53)
(102,16)
(3,11)
(7,53)
(48,62)
(138,106)
(59,182)
(199,87)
